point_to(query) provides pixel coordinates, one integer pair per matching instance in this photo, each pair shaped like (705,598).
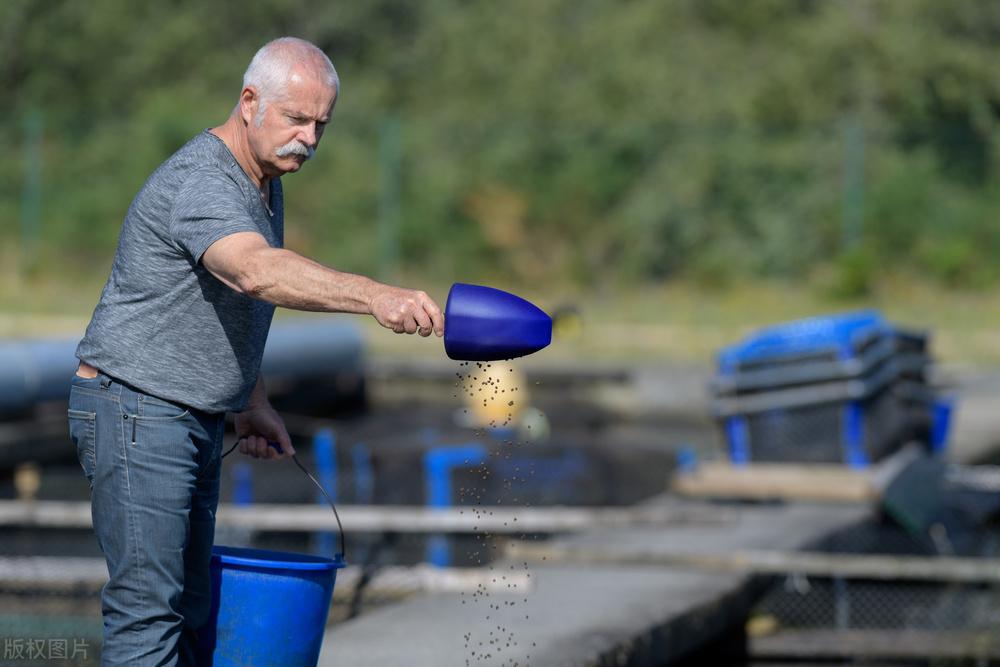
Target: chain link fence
(898,607)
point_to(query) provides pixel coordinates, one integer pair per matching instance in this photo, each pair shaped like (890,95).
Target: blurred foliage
(569,141)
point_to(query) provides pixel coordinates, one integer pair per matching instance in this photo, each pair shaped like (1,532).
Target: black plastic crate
(855,432)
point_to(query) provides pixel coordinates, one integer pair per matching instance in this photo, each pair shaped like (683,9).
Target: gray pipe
(35,371)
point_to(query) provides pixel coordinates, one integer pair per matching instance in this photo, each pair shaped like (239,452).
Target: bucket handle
(340,526)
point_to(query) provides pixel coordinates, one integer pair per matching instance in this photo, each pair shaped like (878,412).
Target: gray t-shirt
(164,324)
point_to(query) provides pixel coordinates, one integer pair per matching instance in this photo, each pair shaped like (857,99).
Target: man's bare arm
(246,263)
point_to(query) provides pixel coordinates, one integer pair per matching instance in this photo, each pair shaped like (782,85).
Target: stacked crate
(848,388)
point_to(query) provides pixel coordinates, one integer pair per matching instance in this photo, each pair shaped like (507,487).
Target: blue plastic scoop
(487,324)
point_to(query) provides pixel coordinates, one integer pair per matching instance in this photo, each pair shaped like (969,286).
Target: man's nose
(309,135)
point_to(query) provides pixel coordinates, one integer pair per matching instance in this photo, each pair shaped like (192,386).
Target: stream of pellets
(491,393)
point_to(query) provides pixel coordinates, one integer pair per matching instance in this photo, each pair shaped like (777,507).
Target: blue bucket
(268,608)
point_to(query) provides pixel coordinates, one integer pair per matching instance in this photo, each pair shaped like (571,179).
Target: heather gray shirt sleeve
(209,206)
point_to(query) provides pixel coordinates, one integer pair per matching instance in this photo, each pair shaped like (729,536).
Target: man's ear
(249,104)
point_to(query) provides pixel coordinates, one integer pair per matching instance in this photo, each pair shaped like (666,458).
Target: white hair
(271,68)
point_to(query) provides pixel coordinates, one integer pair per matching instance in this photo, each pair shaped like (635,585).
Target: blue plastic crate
(829,337)
(845,388)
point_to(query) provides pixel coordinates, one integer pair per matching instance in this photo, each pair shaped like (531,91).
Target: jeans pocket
(159,425)
(82,428)
(157,409)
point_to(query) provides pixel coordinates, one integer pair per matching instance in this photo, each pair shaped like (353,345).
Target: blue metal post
(738,432)
(325,451)
(242,483)
(687,459)
(941,423)
(242,477)
(854,435)
(438,464)
(364,476)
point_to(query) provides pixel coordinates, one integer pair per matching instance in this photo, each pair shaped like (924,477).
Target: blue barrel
(269,608)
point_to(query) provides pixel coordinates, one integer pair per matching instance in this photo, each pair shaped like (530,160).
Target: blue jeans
(153,468)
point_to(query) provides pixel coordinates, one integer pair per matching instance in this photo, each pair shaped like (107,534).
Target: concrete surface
(582,616)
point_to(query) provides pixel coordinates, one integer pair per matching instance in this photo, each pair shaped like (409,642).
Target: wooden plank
(388,518)
(60,574)
(817,482)
(849,566)
(879,644)
(821,483)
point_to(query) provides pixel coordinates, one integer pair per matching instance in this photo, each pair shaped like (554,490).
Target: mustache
(295,147)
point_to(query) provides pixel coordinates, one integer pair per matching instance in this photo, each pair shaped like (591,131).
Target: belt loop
(105,381)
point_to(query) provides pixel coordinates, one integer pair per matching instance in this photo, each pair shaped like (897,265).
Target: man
(176,341)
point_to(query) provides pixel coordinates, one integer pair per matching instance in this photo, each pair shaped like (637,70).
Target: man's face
(292,124)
